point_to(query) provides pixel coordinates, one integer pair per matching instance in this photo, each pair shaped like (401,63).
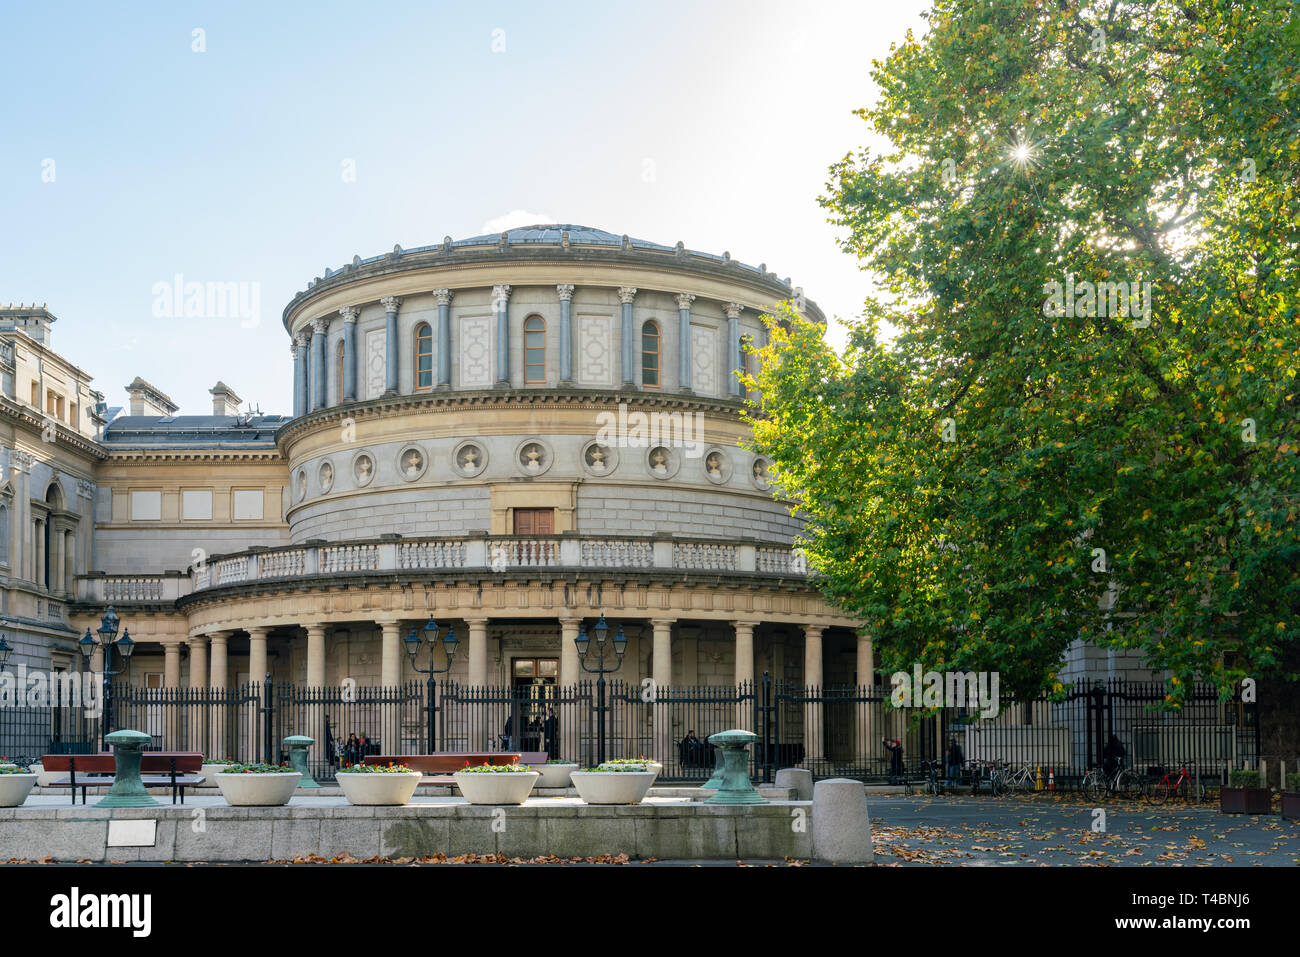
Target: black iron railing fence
(833,731)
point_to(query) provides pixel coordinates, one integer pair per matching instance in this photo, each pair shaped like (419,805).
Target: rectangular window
(58,405)
(36,395)
(72,415)
(196,504)
(248,504)
(146,505)
(49,400)
(534,521)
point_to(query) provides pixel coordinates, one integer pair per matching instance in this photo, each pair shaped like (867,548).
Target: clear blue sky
(712,123)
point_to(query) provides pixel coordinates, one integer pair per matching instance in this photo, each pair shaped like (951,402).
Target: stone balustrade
(489,553)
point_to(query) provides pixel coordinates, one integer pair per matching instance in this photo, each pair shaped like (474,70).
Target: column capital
(196,641)
(745,625)
(812,628)
(500,293)
(300,338)
(565,291)
(658,622)
(21,461)
(684,300)
(320,326)
(349,313)
(571,622)
(626,294)
(390,303)
(443,296)
(732,310)
(477,621)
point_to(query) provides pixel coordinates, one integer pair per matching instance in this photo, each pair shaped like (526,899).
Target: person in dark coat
(1112,755)
(506,739)
(895,749)
(955,760)
(551,733)
(690,751)
(329,743)
(352,750)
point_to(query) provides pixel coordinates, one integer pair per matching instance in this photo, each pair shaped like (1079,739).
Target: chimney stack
(224,400)
(147,400)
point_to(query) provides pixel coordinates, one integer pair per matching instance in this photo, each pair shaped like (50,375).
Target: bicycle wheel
(998,784)
(1160,792)
(1094,784)
(1128,785)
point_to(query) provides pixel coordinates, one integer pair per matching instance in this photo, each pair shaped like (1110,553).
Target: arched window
(650,355)
(534,351)
(423,357)
(339,367)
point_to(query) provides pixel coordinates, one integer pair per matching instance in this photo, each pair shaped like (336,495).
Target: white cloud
(516,218)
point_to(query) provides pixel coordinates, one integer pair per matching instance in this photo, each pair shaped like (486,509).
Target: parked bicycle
(1182,784)
(934,777)
(1125,782)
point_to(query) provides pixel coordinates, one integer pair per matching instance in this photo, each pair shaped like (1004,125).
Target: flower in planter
(493,769)
(258,769)
(17,769)
(389,768)
(562,761)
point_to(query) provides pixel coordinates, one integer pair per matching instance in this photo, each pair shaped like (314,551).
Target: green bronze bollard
(298,745)
(734,786)
(127,790)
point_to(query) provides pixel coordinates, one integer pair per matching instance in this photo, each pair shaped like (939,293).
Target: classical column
(732,310)
(390,676)
(316,656)
(172,684)
(865,724)
(744,671)
(55,584)
(69,561)
(198,731)
(661,674)
(257,669)
(38,531)
(479,732)
(565,291)
(684,301)
(301,374)
(19,462)
(813,729)
(319,363)
(501,304)
(349,314)
(219,679)
(625,295)
(443,297)
(570,714)
(392,347)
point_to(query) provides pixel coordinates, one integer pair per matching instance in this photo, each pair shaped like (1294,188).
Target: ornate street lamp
(413,642)
(583,644)
(5,651)
(108,640)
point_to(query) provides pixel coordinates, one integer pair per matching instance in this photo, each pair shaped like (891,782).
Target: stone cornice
(490,257)
(578,399)
(67,437)
(195,455)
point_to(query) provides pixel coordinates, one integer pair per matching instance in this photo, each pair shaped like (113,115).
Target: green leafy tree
(1020,468)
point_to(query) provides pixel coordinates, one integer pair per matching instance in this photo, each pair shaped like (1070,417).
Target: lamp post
(108,640)
(5,650)
(583,644)
(413,641)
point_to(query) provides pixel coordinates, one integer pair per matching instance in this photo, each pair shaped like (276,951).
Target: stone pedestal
(297,745)
(127,790)
(841,826)
(800,779)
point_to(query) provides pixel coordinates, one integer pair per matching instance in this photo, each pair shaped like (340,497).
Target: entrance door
(533,680)
(534,521)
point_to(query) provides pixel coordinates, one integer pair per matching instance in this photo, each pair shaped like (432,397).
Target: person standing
(550,733)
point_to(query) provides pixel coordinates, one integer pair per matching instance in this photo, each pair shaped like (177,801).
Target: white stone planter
(43,777)
(612,787)
(502,787)
(258,790)
(14,788)
(553,775)
(210,772)
(384,790)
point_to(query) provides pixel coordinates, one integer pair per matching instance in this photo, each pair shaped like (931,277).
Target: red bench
(174,769)
(438,768)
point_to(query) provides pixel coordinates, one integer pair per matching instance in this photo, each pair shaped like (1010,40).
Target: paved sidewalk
(1048,831)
